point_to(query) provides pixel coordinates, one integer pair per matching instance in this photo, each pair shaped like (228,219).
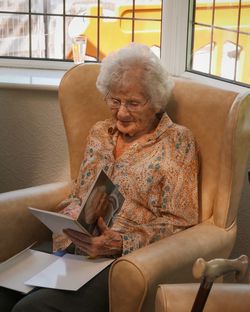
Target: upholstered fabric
(18,228)
(82,105)
(222,297)
(220,121)
(211,113)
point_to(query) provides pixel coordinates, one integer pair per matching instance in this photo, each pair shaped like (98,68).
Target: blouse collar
(164,124)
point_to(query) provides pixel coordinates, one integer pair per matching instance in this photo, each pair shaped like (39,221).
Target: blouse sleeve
(179,200)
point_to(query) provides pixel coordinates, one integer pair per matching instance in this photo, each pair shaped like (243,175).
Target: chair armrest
(18,228)
(222,297)
(134,278)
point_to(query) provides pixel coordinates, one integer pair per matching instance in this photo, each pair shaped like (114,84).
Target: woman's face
(133,123)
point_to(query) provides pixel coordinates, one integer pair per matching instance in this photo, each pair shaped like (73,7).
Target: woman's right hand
(108,243)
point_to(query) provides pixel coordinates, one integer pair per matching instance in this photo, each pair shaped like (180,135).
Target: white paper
(16,270)
(69,272)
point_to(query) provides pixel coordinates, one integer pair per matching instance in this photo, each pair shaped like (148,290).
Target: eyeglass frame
(126,103)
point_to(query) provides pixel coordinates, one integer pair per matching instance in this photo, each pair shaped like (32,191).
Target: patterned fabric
(158,178)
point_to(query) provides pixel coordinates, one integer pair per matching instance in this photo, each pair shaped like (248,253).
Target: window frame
(36,63)
(174,47)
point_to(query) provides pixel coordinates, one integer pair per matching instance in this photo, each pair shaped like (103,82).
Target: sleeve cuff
(60,242)
(129,244)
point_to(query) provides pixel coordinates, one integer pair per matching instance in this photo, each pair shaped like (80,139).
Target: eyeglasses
(131,105)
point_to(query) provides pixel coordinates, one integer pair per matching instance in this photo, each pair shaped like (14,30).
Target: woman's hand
(108,243)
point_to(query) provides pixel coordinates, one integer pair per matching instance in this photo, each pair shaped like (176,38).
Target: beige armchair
(220,121)
(206,296)
(223,297)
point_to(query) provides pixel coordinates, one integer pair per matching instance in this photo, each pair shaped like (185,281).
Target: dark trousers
(91,297)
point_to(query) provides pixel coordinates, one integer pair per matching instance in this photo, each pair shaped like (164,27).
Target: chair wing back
(81,105)
(219,119)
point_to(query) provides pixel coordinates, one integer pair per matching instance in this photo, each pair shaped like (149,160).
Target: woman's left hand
(108,243)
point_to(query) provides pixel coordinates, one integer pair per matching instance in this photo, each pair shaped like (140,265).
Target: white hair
(154,79)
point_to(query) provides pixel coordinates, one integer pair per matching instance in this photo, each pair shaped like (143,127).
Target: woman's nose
(122,110)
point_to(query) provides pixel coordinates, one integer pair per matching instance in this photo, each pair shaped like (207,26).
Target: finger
(88,248)
(81,244)
(72,234)
(102,225)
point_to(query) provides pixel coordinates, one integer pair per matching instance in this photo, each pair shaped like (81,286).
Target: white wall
(33,145)
(34,149)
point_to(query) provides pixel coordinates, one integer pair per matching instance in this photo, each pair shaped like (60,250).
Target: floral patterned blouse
(158,178)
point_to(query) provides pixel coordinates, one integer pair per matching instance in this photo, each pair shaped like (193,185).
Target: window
(171,29)
(43,29)
(219,42)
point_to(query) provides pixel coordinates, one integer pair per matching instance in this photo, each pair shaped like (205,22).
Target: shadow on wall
(243,221)
(33,144)
(242,244)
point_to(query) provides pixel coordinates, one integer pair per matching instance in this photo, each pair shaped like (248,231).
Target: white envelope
(16,270)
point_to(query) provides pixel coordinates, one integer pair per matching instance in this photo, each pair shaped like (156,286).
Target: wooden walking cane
(209,271)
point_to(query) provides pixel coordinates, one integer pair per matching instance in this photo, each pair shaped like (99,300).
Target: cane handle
(210,270)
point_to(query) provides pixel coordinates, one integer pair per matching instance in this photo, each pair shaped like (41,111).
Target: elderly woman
(150,158)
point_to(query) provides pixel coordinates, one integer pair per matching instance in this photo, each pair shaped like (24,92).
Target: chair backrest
(219,119)
(220,122)
(82,105)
